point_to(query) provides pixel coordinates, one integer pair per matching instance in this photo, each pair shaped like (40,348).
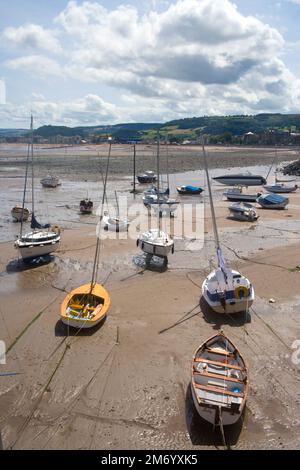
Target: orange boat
(85,306)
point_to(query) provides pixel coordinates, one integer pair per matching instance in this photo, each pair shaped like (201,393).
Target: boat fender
(240,292)
(55,229)
(137,242)
(143,245)
(173,249)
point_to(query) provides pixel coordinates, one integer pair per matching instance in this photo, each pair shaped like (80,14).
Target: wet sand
(86,160)
(125,385)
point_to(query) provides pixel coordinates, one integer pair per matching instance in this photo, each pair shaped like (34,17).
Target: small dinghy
(85,306)
(236,194)
(219,382)
(272,201)
(147,177)
(281,188)
(115,224)
(50,182)
(243,211)
(86,206)
(19,214)
(189,190)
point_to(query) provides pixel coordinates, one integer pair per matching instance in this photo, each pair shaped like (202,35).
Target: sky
(100,62)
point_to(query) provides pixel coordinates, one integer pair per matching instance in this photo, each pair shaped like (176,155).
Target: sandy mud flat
(125,385)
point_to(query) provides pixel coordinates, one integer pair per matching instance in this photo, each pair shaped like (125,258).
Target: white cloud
(90,109)
(37,65)
(32,36)
(192,50)
(192,57)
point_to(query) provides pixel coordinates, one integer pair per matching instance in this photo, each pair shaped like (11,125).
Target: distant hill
(12,132)
(238,125)
(115,130)
(219,128)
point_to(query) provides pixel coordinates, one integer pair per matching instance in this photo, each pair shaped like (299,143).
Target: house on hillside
(250,138)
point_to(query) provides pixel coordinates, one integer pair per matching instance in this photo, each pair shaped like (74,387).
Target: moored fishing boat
(189,190)
(86,206)
(281,188)
(236,194)
(243,211)
(219,383)
(147,177)
(50,182)
(19,214)
(272,201)
(241,179)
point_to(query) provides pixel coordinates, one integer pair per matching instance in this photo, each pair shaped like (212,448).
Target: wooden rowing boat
(219,382)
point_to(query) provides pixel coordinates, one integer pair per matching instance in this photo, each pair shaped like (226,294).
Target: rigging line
(103,181)
(244,258)
(102,395)
(32,169)
(28,419)
(272,164)
(271,329)
(71,405)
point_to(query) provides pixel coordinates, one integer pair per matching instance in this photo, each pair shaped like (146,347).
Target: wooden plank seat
(217,363)
(79,307)
(222,353)
(216,376)
(208,388)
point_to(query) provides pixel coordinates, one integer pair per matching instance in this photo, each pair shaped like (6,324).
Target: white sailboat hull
(234,304)
(80,324)
(241,180)
(36,248)
(150,243)
(210,414)
(115,225)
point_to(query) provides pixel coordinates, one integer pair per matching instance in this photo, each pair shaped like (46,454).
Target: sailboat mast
(168,176)
(158,185)
(117,203)
(213,214)
(134,169)
(97,251)
(32,171)
(25,189)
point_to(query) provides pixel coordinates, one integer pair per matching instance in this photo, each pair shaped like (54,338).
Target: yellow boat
(85,306)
